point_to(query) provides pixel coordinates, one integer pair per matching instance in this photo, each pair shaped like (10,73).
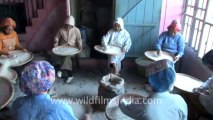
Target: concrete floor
(86,82)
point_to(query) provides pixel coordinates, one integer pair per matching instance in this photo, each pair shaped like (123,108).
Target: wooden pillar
(67,2)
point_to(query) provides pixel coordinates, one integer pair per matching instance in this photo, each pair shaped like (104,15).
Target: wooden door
(142,19)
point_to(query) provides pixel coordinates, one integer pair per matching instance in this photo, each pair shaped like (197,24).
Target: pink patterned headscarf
(37,77)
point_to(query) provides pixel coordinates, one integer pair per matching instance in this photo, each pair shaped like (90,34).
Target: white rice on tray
(65,50)
(186,82)
(111,50)
(153,55)
(18,58)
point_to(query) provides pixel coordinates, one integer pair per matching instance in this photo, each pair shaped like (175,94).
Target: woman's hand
(12,56)
(25,50)
(87,117)
(55,44)
(123,50)
(205,92)
(79,47)
(197,90)
(159,52)
(200,90)
(176,58)
(19,48)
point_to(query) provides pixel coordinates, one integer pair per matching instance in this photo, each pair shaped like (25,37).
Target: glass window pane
(193,2)
(202,14)
(198,13)
(209,42)
(190,21)
(186,19)
(209,13)
(187,33)
(204,4)
(200,25)
(185,28)
(197,40)
(203,40)
(200,3)
(190,10)
(194,38)
(189,2)
(196,24)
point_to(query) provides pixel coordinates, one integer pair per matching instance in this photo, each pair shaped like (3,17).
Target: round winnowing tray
(18,58)
(113,110)
(186,82)
(143,62)
(6,92)
(164,55)
(65,50)
(10,74)
(111,50)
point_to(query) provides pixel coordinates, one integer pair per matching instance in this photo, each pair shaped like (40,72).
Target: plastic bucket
(142,62)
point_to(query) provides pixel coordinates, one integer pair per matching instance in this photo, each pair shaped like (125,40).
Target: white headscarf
(70,20)
(119,21)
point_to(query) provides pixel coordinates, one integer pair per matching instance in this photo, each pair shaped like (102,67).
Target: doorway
(17,13)
(95,17)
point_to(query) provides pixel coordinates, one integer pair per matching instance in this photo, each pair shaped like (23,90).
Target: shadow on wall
(192,65)
(44,39)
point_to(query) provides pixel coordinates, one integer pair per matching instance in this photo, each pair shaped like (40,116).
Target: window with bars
(198,25)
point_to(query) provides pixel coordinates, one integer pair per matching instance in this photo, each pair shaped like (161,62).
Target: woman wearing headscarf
(117,36)
(8,37)
(205,92)
(160,104)
(36,79)
(71,36)
(171,41)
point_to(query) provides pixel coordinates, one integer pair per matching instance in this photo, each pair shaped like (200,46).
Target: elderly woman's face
(68,27)
(172,32)
(8,30)
(117,27)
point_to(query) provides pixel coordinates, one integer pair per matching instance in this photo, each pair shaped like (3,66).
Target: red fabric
(175,25)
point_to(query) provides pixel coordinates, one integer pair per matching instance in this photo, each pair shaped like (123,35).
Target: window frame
(195,27)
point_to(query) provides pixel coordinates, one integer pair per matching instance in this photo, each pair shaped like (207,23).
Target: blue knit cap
(161,75)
